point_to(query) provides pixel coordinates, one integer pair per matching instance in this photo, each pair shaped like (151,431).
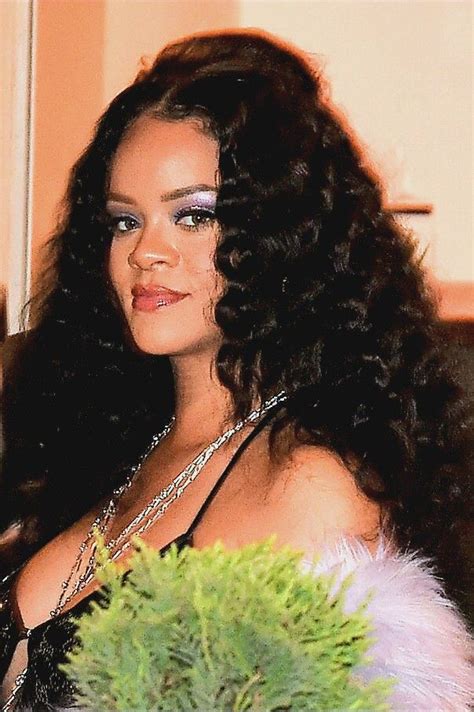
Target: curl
(353,337)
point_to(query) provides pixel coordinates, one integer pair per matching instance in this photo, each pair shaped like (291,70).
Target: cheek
(217,286)
(208,284)
(200,264)
(215,290)
(211,282)
(117,257)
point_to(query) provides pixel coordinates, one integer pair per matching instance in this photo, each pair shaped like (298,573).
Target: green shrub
(213,629)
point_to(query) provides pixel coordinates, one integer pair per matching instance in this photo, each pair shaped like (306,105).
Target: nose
(153,250)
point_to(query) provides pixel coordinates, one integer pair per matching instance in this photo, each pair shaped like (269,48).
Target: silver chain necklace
(100,524)
(141,522)
(150,514)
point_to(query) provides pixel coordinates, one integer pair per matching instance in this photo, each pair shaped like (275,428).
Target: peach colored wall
(69,98)
(135,29)
(402,72)
(87,51)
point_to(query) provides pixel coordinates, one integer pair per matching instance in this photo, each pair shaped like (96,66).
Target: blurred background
(400,72)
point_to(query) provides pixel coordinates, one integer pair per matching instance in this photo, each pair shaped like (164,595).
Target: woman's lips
(148,299)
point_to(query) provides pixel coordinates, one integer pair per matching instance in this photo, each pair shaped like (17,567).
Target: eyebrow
(171,195)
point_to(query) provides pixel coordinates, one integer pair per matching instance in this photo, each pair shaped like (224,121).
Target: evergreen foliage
(219,630)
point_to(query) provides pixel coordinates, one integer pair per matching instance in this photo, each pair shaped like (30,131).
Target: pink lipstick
(150,298)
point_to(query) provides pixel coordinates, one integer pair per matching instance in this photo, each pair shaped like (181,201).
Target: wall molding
(17,69)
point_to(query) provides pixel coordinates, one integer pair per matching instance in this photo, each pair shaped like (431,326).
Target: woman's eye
(121,224)
(194,218)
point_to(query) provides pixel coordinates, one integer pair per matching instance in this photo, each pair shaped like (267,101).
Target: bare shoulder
(317,500)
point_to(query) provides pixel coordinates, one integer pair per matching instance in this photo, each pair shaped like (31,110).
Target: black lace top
(44,686)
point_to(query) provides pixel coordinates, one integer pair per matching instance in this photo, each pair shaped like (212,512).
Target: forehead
(173,153)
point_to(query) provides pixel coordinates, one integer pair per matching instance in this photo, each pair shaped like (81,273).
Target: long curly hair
(324,296)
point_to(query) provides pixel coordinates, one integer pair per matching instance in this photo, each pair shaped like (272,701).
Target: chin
(161,342)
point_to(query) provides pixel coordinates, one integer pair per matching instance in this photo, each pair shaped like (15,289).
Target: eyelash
(196,211)
(193,212)
(114,220)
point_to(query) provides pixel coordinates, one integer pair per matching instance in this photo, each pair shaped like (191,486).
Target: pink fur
(420,639)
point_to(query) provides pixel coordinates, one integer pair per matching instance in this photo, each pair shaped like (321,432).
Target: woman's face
(161,203)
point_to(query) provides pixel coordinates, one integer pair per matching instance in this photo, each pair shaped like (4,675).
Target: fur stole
(419,637)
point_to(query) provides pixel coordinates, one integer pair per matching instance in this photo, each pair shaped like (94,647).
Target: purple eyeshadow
(205,199)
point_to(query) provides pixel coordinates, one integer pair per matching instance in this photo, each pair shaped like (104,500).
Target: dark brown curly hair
(324,297)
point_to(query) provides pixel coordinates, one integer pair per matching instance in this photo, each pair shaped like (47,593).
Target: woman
(224,267)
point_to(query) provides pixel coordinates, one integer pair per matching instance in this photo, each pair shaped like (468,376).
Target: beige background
(400,71)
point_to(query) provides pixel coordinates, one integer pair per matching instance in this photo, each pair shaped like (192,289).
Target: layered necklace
(154,510)
(82,572)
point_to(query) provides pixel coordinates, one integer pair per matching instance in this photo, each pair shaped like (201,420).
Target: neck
(203,407)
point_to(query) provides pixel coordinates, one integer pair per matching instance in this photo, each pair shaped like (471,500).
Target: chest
(231,515)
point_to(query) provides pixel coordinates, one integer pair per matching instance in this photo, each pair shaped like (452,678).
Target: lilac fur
(420,639)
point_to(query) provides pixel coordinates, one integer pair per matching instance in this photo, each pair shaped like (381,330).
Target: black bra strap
(222,477)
